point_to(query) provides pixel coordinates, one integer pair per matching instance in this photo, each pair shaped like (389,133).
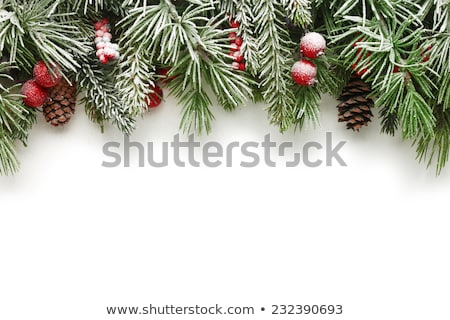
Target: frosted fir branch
(38,29)
(440,12)
(136,76)
(299,12)
(84,5)
(101,99)
(242,12)
(15,118)
(436,148)
(211,66)
(307,106)
(402,10)
(275,49)
(228,7)
(16,121)
(9,164)
(162,32)
(245,16)
(230,86)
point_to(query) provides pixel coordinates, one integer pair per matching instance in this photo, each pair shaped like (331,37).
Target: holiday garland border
(393,56)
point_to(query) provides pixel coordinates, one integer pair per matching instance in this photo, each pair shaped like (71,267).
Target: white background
(76,237)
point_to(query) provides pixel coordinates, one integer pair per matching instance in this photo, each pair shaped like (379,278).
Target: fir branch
(330,74)
(16,120)
(86,6)
(9,163)
(136,76)
(245,16)
(242,12)
(101,99)
(34,26)
(307,106)
(275,48)
(416,116)
(196,113)
(378,9)
(152,34)
(389,122)
(212,66)
(228,7)
(436,148)
(161,31)
(230,86)
(440,61)
(299,12)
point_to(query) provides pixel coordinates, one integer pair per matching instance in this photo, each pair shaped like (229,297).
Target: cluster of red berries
(312,46)
(35,91)
(236,45)
(106,50)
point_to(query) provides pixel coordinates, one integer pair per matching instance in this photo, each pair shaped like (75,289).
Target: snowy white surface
(76,237)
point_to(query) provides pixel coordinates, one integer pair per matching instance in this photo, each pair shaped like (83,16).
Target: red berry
(34,94)
(396,69)
(232,36)
(236,65)
(313,45)
(234,47)
(234,24)
(242,66)
(238,41)
(104,59)
(104,28)
(155,98)
(104,21)
(98,25)
(238,57)
(304,73)
(44,77)
(100,52)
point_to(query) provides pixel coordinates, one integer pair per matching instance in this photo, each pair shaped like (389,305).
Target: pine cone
(356,106)
(60,104)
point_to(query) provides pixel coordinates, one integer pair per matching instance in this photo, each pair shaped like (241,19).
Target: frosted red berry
(34,94)
(234,24)
(304,73)
(313,45)
(98,25)
(44,77)
(103,59)
(238,57)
